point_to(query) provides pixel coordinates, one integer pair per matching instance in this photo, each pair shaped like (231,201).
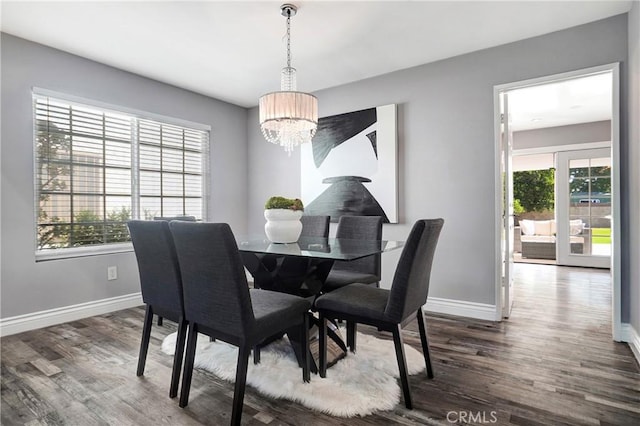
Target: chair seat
(274,310)
(356,299)
(340,278)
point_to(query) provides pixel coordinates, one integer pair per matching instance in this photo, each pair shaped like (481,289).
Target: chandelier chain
(288,38)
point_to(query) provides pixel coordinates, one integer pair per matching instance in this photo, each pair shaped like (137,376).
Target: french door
(507,240)
(583,208)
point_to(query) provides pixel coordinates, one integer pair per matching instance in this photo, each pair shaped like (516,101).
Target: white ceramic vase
(283,225)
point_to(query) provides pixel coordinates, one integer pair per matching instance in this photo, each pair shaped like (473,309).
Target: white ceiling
(581,100)
(234,50)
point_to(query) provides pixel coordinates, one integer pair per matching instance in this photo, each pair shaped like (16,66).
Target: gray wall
(634,164)
(446,145)
(28,286)
(446,157)
(597,131)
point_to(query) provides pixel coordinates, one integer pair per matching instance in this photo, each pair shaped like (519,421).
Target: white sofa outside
(538,238)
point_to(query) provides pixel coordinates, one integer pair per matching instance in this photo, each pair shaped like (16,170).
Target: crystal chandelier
(288,117)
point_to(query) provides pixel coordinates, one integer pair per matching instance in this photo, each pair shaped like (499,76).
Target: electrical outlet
(112,273)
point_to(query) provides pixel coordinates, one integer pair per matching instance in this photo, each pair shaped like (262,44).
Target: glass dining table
(300,268)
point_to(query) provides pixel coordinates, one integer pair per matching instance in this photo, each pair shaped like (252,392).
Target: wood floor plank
(47,368)
(552,363)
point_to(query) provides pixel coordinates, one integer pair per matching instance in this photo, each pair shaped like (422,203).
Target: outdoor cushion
(542,227)
(527,227)
(538,239)
(576,226)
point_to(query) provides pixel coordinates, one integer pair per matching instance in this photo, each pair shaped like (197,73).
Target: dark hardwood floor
(552,363)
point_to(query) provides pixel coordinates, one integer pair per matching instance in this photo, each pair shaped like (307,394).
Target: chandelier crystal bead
(288,117)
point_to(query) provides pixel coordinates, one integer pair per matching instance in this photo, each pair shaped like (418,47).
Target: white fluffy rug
(357,385)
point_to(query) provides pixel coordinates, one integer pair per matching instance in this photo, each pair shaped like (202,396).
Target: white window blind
(170,169)
(96,168)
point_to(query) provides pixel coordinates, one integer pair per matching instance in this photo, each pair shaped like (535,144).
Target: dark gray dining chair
(315,226)
(364,271)
(161,286)
(286,271)
(169,219)
(389,310)
(219,303)
(292,270)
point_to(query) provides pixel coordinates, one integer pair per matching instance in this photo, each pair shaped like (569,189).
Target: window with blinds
(97,168)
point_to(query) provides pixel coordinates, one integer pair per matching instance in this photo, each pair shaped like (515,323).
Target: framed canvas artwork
(349,168)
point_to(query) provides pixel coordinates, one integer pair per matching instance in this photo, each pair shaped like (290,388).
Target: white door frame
(614,68)
(506,171)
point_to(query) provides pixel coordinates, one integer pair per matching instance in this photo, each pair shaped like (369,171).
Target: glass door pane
(583,208)
(590,206)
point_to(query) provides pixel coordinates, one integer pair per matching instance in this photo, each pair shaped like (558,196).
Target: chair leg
(306,375)
(188,364)
(256,354)
(352,327)
(241,379)
(159,321)
(425,343)
(322,336)
(402,366)
(144,344)
(177,357)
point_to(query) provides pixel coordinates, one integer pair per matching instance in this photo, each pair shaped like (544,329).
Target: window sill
(69,253)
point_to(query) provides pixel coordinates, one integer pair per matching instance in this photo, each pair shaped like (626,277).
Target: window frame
(137,116)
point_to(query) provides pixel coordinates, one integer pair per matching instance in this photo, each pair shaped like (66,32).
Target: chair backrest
(216,293)
(315,226)
(160,278)
(360,228)
(410,285)
(170,218)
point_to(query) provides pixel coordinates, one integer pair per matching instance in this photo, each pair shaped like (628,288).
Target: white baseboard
(461,308)
(632,337)
(20,323)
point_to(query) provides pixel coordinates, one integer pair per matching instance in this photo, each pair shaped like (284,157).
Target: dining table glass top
(317,247)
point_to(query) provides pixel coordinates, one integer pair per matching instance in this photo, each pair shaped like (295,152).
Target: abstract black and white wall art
(349,168)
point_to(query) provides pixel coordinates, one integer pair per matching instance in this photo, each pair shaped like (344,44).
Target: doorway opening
(534,207)
(569,187)
(557,152)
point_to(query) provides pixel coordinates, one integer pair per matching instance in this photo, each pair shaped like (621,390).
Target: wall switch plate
(112,273)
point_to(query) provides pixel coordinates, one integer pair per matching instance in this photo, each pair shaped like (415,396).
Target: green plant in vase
(283,219)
